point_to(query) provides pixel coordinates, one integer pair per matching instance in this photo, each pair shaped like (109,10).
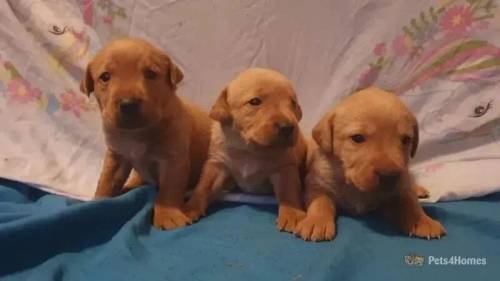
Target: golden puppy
(256,144)
(360,163)
(147,126)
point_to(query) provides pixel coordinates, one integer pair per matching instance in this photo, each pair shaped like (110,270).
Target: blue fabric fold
(49,237)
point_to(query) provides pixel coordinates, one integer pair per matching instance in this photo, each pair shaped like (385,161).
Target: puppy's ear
(414,143)
(87,83)
(175,74)
(298,111)
(322,133)
(220,110)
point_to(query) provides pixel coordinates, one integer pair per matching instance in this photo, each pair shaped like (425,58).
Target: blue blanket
(48,237)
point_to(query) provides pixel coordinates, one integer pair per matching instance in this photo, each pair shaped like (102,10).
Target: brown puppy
(360,163)
(147,126)
(256,144)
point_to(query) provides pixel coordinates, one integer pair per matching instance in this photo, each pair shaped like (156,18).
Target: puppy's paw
(104,194)
(193,211)
(421,192)
(316,228)
(427,228)
(170,218)
(288,218)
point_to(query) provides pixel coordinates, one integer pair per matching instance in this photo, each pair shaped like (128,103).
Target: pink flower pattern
(379,49)
(73,103)
(439,42)
(457,20)
(108,19)
(20,90)
(401,45)
(434,167)
(369,77)
(112,10)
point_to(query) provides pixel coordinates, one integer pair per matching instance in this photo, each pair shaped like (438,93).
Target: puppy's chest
(140,153)
(355,202)
(252,174)
(347,197)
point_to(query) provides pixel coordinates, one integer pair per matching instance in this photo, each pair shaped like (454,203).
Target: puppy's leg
(134,180)
(421,192)
(287,189)
(174,176)
(407,213)
(115,171)
(319,224)
(211,182)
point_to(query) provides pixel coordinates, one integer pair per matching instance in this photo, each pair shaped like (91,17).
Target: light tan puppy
(257,144)
(147,126)
(359,163)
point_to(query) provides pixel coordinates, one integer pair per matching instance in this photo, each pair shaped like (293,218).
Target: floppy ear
(175,74)
(298,111)
(322,133)
(87,83)
(220,110)
(414,143)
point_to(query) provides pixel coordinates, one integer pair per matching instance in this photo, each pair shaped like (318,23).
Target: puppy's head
(132,81)
(373,134)
(261,105)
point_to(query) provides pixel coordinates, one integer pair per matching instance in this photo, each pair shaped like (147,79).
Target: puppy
(358,162)
(256,145)
(147,127)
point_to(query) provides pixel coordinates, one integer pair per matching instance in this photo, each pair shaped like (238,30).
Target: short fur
(164,138)
(367,173)
(250,150)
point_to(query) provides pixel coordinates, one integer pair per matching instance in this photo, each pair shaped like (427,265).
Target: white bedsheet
(441,57)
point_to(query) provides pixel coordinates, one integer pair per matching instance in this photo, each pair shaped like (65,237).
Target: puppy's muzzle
(130,113)
(130,107)
(388,178)
(286,133)
(286,130)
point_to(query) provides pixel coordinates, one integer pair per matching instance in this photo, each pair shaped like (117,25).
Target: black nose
(388,178)
(129,106)
(286,129)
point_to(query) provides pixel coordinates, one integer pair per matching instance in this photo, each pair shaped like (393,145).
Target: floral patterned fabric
(441,57)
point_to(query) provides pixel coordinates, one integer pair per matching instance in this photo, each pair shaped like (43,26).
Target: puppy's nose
(286,129)
(129,106)
(388,178)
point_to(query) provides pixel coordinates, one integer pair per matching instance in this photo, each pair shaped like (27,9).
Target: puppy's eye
(255,101)
(405,140)
(105,76)
(357,138)
(150,74)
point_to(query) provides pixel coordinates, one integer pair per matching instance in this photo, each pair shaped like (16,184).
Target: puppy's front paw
(427,228)
(421,192)
(169,218)
(316,228)
(193,210)
(288,218)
